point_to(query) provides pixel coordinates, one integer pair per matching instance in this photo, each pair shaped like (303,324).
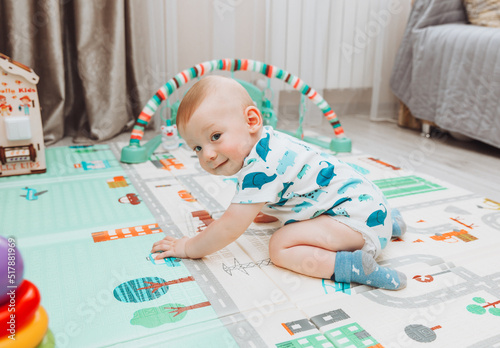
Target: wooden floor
(471,165)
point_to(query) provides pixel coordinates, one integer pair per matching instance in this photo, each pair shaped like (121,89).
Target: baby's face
(219,134)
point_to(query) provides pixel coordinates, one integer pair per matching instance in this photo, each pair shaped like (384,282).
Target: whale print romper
(298,182)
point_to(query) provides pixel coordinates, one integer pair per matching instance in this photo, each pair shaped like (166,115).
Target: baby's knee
(275,249)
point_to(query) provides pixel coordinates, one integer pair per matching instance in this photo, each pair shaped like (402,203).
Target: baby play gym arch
(135,153)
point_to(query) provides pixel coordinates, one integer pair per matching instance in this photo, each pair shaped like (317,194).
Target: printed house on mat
(22,150)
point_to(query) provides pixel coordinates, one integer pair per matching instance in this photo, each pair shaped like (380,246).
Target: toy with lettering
(22,149)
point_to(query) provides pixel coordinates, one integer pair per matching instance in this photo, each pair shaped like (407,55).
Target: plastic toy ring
(27,302)
(31,334)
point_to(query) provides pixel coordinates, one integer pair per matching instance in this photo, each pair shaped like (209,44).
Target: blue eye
(216,136)
(197,149)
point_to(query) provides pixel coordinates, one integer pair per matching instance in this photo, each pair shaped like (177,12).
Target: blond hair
(206,87)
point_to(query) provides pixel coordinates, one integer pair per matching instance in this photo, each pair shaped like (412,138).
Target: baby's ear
(253,119)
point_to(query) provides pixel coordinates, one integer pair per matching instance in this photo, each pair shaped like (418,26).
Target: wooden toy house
(22,150)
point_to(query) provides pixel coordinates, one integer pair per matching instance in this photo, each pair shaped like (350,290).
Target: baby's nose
(210,155)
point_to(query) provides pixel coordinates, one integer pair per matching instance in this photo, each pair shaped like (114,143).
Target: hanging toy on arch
(135,153)
(170,138)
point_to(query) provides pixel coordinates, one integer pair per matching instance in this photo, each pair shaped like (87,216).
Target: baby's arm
(264,218)
(216,236)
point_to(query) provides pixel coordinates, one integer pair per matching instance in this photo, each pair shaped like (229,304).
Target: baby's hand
(170,247)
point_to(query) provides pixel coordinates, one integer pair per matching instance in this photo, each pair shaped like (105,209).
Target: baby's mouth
(221,164)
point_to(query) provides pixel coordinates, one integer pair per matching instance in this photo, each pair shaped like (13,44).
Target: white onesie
(298,182)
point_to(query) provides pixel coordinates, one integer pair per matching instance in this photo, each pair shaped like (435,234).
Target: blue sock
(360,267)
(398,224)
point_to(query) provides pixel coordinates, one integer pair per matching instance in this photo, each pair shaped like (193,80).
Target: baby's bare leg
(309,247)
(325,248)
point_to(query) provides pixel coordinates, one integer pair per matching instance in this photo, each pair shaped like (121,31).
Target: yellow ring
(31,334)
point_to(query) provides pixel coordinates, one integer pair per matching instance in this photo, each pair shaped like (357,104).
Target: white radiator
(339,44)
(330,44)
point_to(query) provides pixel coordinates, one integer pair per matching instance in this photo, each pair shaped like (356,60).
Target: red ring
(26,304)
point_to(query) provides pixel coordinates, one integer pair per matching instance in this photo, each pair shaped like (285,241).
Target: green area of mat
(67,162)
(406,186)
(82,306)
(84,189)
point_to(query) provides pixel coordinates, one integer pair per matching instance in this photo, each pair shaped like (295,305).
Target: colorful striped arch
(230,65)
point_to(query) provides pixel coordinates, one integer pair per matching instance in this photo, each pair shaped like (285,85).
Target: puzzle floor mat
(85,229)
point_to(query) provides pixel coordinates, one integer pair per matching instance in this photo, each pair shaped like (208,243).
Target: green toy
(137,153)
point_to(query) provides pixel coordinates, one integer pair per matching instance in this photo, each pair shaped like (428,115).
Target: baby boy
(335,222)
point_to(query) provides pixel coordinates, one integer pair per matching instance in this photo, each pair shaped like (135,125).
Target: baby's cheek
(243,145)
(205,167)
(240,150)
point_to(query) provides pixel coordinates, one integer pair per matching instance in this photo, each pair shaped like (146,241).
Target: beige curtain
(93,59)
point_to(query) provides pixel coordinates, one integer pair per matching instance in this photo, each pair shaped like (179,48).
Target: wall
(342,48)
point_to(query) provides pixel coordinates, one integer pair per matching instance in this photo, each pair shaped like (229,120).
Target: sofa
(447,70)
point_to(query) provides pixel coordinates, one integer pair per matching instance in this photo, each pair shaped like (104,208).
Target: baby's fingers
(162,255)
(161,244)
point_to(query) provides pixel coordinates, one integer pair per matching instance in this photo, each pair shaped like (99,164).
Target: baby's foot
(360,267)
(398,224)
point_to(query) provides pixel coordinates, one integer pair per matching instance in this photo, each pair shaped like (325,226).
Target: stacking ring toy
(24,308)
(11,267)
(31,334)
(48,341)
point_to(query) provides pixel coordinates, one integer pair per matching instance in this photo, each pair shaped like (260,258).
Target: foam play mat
(85,229)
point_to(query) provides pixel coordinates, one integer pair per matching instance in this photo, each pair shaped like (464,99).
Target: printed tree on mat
(151,288)
(145,289)
(481,309)
(421,333)
(157,286)
(168,313)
